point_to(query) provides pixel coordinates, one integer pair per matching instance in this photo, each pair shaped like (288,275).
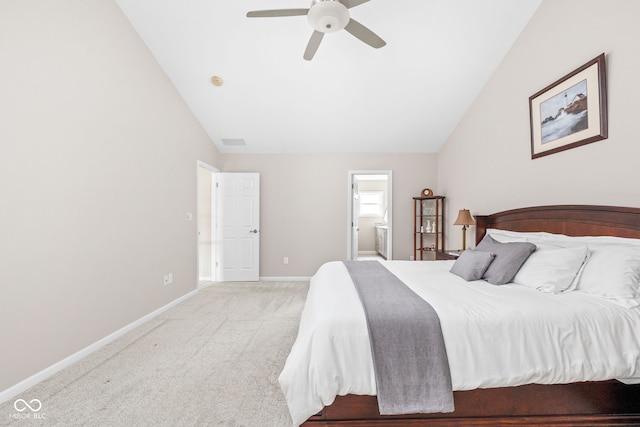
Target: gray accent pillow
(509,258)
(471,264)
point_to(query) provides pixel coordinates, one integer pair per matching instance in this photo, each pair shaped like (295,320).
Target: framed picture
(571,111)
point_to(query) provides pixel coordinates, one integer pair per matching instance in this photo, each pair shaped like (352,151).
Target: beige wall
(486,164)
(97,171)
(304,197)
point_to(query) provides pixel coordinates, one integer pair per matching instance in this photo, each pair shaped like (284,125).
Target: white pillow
(556,239)
(613,271)
(563,240)
(551,268)
(506,236)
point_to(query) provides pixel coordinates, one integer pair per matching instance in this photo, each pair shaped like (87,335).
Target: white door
(239,226)
(355,210)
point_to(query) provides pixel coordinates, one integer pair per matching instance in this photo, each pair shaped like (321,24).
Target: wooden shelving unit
(428,227)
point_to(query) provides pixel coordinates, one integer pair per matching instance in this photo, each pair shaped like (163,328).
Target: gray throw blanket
(409,355)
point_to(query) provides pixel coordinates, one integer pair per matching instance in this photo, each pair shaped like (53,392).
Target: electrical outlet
(286,260)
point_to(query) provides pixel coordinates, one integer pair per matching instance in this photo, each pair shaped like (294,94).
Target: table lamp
(464,219)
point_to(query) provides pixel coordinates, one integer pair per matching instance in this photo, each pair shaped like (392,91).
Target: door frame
(351,180)
(214,250)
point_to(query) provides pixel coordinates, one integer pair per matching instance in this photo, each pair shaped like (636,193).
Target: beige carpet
(212,360)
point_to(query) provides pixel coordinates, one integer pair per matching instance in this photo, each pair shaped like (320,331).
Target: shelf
(428,211)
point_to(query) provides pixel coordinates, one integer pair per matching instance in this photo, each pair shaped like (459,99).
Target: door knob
(253,231)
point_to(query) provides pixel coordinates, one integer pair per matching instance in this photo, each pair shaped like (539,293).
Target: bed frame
(604,403)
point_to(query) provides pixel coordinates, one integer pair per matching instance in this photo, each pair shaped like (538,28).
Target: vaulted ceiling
(407,96)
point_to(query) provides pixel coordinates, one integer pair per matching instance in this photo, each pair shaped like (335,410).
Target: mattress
(495,336)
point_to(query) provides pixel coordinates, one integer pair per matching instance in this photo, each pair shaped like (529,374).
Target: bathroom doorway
(369,221)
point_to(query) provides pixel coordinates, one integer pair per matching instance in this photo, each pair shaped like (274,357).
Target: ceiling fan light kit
(326,16)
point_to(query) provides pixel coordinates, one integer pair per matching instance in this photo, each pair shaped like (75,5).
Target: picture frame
(571,111)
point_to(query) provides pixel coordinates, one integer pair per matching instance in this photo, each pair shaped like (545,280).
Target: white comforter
(495,336)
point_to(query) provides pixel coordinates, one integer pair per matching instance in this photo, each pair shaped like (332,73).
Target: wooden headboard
(572,220)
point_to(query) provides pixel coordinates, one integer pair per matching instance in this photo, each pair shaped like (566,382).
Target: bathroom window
(371,204)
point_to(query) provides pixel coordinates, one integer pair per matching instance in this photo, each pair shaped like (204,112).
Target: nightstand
(454,254)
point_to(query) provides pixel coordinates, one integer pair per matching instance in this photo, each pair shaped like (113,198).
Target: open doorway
(370,215)
(205,223)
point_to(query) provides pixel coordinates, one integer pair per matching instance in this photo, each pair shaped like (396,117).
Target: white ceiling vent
(235,142)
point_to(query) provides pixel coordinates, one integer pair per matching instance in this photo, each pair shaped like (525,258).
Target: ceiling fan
(326,16)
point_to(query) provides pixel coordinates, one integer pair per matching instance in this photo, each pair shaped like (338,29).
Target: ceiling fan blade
(276,13)
(352,3)
(363,33)
(312,46)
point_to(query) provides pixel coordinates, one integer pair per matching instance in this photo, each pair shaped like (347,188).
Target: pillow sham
(552,268)
(505,236)
(613,271)
(566,241)
(471,264)
(509,257)
(543,237)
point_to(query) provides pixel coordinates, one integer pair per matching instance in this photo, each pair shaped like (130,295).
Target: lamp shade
(464,218)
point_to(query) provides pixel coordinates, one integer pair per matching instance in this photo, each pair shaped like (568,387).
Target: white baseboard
(367,253)
(285,279)
(68,361)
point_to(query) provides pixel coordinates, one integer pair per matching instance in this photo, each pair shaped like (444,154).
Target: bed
(330,383)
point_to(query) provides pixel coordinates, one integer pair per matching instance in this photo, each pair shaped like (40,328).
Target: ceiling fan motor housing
(328,16)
